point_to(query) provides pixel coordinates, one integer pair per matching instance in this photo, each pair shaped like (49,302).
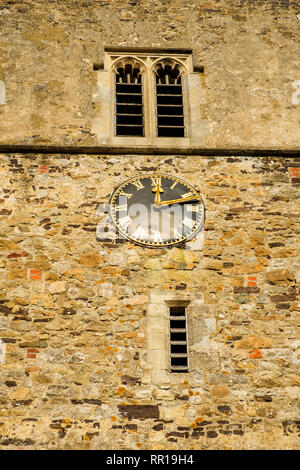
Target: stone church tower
(174,326)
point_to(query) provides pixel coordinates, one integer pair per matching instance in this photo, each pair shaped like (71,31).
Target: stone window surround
(158,348)
(201,329)
(103,125)
(147,65)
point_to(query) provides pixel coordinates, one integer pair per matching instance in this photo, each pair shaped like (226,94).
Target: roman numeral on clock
(128,195)
(125,221)
(123,207)
(187,195)
(155,180)
(188,222)
(191,208)
(138,184)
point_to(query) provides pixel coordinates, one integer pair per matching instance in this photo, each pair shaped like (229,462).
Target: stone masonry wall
(76,365)
(50,51)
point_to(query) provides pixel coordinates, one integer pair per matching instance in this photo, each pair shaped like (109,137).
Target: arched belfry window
(129,115)
(169,99)
(148,98)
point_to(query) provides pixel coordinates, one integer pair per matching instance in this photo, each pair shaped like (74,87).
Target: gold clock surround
(153,187)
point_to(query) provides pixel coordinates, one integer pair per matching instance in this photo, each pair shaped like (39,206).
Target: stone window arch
(170,120)
(129,97)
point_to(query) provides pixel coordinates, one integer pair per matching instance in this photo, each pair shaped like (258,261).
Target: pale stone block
(157,359)
(197,243)
(293,392)
(163,394)
(201,345)
(160,297)
(296,344)
(296,357)
(172,412)
(200,128)
(2,352)
(57,287)
(156,436)
(105,289)
(211,324)
(160,377)
(101,94)
(117,259)
(159,323)
(155,310)
(2,92)
(100,127)
(157,341)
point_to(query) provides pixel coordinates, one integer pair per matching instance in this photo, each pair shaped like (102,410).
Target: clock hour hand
(157,190)
(176,201)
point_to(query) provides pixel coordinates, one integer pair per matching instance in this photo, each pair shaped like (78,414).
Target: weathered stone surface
(84,321)
(57,287)
(220,391)
(253,342)
(22,393)
(279,275)
(72,62)
(91,260)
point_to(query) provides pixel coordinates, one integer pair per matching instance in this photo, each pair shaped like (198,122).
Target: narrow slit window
(178,339)
(129,101)
(169,102)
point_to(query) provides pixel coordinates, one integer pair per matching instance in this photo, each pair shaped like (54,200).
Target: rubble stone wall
(77,366)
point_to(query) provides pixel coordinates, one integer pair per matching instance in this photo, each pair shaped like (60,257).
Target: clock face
(157,210)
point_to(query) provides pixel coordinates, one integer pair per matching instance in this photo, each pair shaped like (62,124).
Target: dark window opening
(129,101)
(169,102)
(178,340)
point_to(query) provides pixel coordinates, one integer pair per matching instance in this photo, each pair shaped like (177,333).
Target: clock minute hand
(174,201)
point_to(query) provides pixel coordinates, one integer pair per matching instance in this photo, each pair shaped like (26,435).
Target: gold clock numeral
(123,207)
(155,180)
(125,221)
(191,208)
(188,222)
(128,195)
(173,185)
(187,195)
(138,184)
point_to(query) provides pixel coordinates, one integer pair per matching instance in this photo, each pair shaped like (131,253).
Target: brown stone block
(220,391)
(246,290)
(77,273)
(91,260)
(21,393)
(6,244)
(17,274)
(139,411)
(279,275)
